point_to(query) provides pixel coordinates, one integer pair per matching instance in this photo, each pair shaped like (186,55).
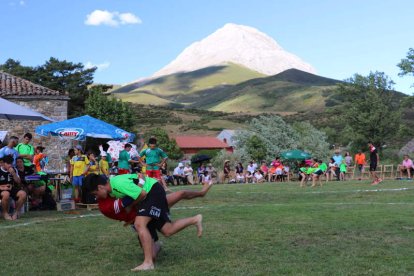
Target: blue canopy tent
(85,126)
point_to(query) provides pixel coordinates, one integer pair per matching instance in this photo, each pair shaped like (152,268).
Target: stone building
(51,103)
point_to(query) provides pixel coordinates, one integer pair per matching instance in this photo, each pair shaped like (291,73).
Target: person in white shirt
(258,177)
(178,174)
(251,168)
(188,173)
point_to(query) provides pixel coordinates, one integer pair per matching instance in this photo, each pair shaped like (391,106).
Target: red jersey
(112,208)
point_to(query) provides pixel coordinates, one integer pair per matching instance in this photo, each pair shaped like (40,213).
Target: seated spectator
(249,177)
(10,188)
(165,175)
(240,173)
(206,178)
(406,166)
(251,168)
(331,172)
(212,172)
(258,177)
(264,169)
(200,172)
(188,172)
(178,174)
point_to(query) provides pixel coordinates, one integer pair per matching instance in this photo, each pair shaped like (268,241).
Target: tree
(371,107)
(256,148)
(113,111)
(407,64)
(165,143)
(311,139)
(275,134)
(58,75)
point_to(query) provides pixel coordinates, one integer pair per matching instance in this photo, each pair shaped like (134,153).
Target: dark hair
(13,138)
(40,148)
(152,141)
(105,147)
(19,158)
(93,180)
(127,145)
(71,152)
(8,159)
(28,135)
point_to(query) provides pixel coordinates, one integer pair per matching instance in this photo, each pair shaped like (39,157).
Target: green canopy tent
(293,155)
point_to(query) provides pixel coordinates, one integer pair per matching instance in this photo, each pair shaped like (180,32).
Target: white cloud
(129,18)
(113,19)
(100,67)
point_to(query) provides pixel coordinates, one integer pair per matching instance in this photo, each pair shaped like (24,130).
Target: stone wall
(53,107)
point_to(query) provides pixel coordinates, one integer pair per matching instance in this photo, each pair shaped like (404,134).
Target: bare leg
(22,196)
(173,198)
(172,228)
(146,242)
(5,195)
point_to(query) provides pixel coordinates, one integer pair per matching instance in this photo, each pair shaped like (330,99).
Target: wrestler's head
(97,185)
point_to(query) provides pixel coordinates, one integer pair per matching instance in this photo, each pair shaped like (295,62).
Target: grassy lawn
(346,228)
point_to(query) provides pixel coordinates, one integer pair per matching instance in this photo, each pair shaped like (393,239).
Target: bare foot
(199,225)
(7,217)
(15,216)
(143,267)
(206,187)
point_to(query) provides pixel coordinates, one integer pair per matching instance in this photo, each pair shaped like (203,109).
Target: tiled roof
(14,86)
(198,142)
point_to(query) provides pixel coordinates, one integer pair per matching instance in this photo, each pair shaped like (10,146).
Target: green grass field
(344,228)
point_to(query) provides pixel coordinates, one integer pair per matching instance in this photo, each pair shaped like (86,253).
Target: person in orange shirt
(360,160)
(39,155)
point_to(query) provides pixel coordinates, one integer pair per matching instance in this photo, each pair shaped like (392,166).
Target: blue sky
(129,39)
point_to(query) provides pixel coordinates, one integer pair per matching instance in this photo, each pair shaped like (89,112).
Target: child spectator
(258,177)
(93,166)
(249,177)
(78,170)
(240,173)
(104,164)
(38,157)
(342,170)
(226,171)
(264,169)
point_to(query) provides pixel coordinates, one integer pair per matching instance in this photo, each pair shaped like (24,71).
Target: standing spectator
(123,160)
(104,164)
(188,173)
(373,162)
(10,150)
(226,171)
(154,159)
(26,150)
(338,160)
(348,159)
(10,188)
(78,170)
(178,174)
(360,161)
(342,170)
(407,166)
(93,166)
(38,157)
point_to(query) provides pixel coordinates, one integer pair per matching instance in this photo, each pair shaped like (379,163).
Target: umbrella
(12,111)
(85,126)
(200,158)
(295,155)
